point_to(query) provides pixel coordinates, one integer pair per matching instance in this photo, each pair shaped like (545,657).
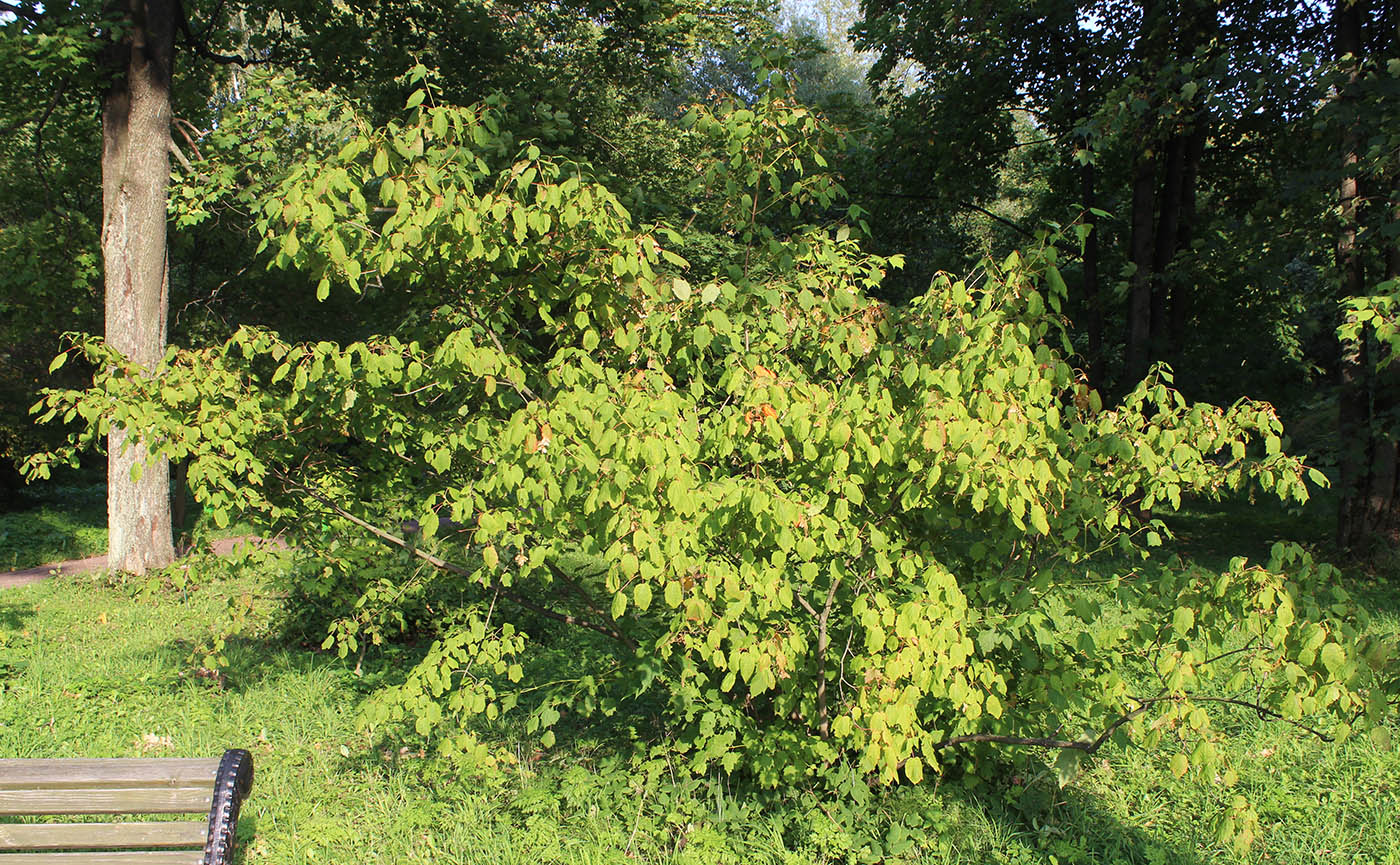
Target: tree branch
(574,586)
(200,47)
(180,156)
(823,642)
(963,204)
(450,567)
(1091,746)
(44,116)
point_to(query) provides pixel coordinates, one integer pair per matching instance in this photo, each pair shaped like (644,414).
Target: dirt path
(10,579)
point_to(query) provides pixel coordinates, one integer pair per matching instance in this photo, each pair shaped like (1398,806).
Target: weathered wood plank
(123,857)
(78,836)
(121,800)
(58,774)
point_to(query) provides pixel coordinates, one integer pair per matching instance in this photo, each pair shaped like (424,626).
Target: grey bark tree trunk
(135,178)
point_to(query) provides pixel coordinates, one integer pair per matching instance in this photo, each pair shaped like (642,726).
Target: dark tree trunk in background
(1091,277)
(135,177)
(1182,288)
(1368,398)
(1141,254)
(1382,522)
(1166,243)
(1353,406)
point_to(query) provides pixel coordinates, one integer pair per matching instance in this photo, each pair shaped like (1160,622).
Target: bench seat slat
(122,857)
(120,800)
(77,836)
(164,772)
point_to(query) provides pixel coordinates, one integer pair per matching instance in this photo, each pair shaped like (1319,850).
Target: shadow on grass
(1212,533)
(13,616)
(252,662)
(1037,820)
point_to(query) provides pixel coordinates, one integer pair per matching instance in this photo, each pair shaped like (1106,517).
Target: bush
(829,528)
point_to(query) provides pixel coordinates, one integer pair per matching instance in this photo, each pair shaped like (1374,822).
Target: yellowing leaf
(914,770)
(1179,765)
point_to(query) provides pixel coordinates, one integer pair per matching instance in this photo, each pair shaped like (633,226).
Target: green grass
(65,522)
(69,521)
(93,668)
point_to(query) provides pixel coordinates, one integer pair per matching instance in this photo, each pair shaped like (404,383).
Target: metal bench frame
(151,786)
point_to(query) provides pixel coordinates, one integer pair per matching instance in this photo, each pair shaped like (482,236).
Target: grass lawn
(91,668)
(66,522)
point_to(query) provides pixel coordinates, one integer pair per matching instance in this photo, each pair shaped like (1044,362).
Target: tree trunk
(1140,303)
(135,178)
(1182,289)
(1353,397)
(1382,521)
(1092,306)
(1173,181)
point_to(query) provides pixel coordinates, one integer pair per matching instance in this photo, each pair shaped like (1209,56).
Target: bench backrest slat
(120,857)
(77,836)
(116,800)
(32,774)
(213,789)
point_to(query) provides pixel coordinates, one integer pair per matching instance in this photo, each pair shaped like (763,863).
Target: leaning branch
(451,567)
(1093,745)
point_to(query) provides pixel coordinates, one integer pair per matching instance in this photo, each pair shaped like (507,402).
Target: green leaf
(619,604)
(673,594)
(1380,737)
(641,595)
(1183,620)
(680,288)
(914,770)
(1333,659)
(1039,520)
(1067,764)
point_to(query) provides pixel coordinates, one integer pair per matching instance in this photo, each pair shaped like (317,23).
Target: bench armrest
(231,785)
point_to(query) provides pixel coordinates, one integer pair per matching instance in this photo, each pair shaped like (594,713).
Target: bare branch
(185,128)
(180,156)
(823,642)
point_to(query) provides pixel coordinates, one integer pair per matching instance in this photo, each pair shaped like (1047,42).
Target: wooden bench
(213,788)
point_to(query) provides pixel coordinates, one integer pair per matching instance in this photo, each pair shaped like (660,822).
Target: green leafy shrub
(826,528)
